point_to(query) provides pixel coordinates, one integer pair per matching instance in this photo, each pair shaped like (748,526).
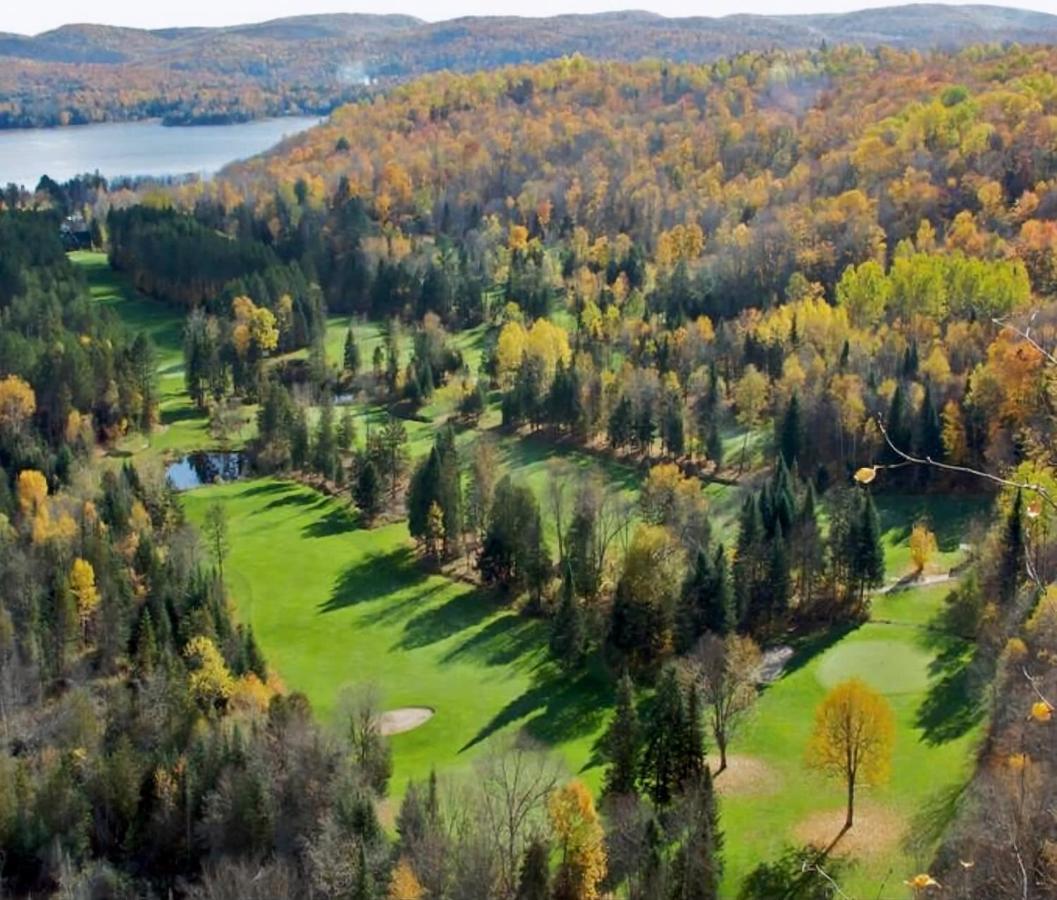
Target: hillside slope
(312,63)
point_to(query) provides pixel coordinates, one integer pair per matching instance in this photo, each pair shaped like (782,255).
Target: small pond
(205,467)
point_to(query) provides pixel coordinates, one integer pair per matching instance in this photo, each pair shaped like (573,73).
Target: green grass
(949,516)
(182,428)
(334,605)
(921,673)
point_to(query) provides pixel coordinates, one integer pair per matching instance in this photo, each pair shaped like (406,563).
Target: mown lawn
(182,427)
(938,716)
(334,605)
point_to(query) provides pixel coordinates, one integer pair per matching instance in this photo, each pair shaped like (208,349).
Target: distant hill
(312,63)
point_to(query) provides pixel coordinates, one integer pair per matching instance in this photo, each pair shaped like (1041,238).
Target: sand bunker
(876,831)
(744,775)
(397,721)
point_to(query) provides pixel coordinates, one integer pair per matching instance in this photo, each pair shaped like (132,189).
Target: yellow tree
(580,841)
(211,683)
(17,403)
(85,593)
(32,490)
(750,398)
(852,738)
(509,351)
(922,546)
(404,885)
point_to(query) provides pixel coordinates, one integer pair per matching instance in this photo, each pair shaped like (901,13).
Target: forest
(677,437)
(310,64)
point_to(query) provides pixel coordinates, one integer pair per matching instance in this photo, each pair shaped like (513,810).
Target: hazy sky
(31,18)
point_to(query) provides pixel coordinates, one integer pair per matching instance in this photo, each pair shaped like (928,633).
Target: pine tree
(368,490)
(619,428)
(868,566)
(346,430)
(692,754)
(661,763)
(146,644)
(791,432)
(719,609)
(779,581)
(622,742)
(568,638)
(534,878)
(692,610)
(254,658)
(1013,550)
(352,354)
(325,450)
(698,863)
(714,446)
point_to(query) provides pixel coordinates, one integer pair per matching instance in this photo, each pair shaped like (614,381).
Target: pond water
(202,467)
(115,149)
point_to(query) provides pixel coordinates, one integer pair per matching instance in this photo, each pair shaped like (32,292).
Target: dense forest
(310,64)
(845,258)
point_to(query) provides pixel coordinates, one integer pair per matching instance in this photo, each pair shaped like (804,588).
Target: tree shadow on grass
(559,706)
(442,622)
(954,703)
(266,487)
(180,414)
(930,822)
(291,497)
(808,647)
(501,642)
(375,578)
(337,520)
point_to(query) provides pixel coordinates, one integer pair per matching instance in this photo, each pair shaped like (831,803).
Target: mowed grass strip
(182,427)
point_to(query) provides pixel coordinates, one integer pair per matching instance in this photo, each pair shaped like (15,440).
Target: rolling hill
(312,63)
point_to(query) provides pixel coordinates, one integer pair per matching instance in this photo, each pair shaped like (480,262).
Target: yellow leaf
(922,881)
(1041,711)
(866,474)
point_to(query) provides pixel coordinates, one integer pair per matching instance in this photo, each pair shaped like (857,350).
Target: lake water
(136,148)
(205,467)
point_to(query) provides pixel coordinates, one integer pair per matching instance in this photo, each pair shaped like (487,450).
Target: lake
(205,467)
(136,148)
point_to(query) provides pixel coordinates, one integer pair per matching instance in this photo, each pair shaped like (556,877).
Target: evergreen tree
(692,751)
(791,432)
(325,450)
(779,581)
(352,354)
(698,863)
(252,652)
(568,638)
(714,446)
(867,563)
(619,429)
(534,878)
(368,490)
(661,764)
(622,742)
(897,424)
(1013,550)
(346,430)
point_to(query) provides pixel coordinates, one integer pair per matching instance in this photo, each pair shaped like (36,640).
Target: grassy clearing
(920,672)
(182,428)
(950,516)
(334,605)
